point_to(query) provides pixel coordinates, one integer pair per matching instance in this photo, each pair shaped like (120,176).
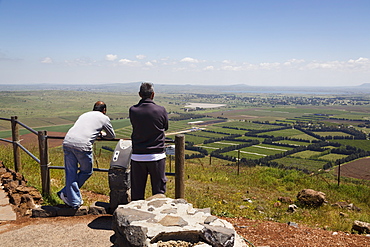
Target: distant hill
(133,87)
(365,85)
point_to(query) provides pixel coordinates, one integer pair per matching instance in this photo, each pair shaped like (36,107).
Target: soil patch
(359,169)
(30,140)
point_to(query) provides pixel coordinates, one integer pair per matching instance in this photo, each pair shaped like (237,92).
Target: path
(81,231)
(6,210)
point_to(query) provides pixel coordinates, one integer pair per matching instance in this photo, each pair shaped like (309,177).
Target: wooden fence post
(339,175)
(44,162)
(15,139)
(179,166)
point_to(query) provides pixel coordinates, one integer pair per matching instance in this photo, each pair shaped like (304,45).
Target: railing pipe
(28,128)
(29,153)
(6,140)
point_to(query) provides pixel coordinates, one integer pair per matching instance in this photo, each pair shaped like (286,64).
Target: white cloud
(140,56)
(128,62)
(149,64)
(189,60)
(269,66)
(361,60)
(231,68)
(293,61)
(209,68)
(47,60)
(111,57)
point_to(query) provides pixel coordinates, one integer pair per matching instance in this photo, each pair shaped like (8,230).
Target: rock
(344,215)
(169,220)
(259,208)
(162,221)
(311,197)
(24,198)
(63,210)
(247,200)
(96,210)
(292,208)
(293,224)
(361,227)
(219,236)
(44,211)
(285,200)
(345,205)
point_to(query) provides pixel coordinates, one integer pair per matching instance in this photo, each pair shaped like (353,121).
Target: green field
(332,157)
(331,133)
(296,143)
(310,165)
(363,144)
(292,133)
(308,154)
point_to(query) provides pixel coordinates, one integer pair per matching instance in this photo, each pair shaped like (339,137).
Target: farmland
(273,130)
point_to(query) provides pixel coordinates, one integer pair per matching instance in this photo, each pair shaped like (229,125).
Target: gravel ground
(82,231)
(96,231)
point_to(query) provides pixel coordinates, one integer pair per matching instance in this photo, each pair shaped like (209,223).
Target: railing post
(15,138)
(44,162)
(179,166)
(339,174)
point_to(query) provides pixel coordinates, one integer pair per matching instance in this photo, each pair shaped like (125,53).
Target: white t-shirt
(148,157)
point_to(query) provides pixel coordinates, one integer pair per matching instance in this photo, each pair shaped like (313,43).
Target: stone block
(95,210)
(44,212)
(361,227)
(64,210)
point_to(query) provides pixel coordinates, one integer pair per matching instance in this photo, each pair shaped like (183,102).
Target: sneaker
(63,197)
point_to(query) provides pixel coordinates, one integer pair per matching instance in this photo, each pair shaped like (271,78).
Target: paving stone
(7,213)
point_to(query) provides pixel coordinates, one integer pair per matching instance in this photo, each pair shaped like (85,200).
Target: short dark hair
(146,89)
(100,106)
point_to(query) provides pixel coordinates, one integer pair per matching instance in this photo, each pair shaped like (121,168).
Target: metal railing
(45,166)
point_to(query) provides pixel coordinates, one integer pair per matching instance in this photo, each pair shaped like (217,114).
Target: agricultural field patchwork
(47,110)
(311,165)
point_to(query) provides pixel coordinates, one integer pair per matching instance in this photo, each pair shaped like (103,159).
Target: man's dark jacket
(149,122)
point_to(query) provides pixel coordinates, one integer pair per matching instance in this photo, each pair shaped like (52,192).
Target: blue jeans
(74,179)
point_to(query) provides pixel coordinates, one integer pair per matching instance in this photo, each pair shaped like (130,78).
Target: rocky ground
(97,229)
(273,234)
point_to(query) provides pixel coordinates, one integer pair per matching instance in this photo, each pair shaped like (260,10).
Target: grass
(216,185)
(310,165)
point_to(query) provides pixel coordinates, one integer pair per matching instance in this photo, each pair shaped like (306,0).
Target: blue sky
(264,42)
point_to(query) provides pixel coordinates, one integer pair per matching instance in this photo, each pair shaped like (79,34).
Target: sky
(198,42)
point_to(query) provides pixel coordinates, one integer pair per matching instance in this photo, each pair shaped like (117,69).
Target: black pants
(139,176)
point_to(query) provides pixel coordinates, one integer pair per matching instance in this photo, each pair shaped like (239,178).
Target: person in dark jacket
(149,122)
